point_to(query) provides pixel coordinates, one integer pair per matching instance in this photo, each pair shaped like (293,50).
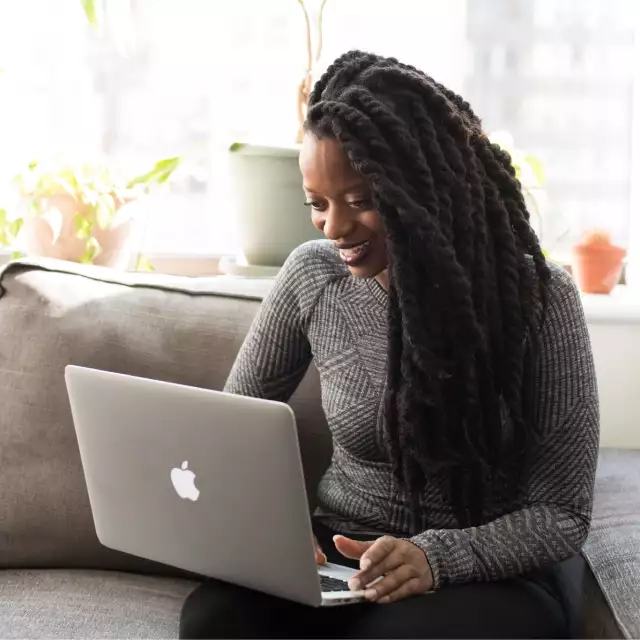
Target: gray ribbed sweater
(318,311)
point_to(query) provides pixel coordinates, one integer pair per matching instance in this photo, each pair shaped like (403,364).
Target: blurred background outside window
(188,77)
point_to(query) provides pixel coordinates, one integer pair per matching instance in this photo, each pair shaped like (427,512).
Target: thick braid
(468,384)
(433,187)
(349,64)
(467,276)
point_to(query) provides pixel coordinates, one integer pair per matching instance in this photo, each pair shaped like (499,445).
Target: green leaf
(16,255)
(236,146)
(35,207)
(91,251)
(84,227)
(159,174)
(92,10)
(105,209)
(9,229)
(62,183)
(536,166)
(143,264)
(15,226)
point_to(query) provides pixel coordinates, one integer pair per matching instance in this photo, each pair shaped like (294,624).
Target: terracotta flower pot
(597,267)
(52,234)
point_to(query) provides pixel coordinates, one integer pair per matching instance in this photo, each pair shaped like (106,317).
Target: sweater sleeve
(555,520)
(276,354)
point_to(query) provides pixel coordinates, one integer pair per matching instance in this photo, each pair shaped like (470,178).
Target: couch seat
(89,604)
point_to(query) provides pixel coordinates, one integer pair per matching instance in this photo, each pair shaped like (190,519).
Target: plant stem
(320,15)
(308,30)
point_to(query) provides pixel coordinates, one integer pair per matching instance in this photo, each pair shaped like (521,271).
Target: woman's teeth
(355,254)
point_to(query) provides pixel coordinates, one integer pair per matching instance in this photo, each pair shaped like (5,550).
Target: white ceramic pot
(266,187)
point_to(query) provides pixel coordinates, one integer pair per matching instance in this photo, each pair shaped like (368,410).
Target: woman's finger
(388,563)
(392,582)
(320,557)
(350,548)
(378,550)
(410,588)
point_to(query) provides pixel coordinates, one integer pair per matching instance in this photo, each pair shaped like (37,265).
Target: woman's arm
(561,469)
(276,354)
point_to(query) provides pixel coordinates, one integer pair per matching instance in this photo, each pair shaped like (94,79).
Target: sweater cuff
(435,557)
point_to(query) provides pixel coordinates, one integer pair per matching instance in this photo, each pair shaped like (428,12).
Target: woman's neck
(383,279)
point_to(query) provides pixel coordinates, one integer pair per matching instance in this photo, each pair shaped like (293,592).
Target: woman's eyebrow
(359,185)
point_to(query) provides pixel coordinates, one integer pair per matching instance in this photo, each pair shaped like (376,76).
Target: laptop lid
(197,479)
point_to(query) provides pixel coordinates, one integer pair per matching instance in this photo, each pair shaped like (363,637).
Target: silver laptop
(201,480)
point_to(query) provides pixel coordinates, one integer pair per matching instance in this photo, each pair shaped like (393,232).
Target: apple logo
(183,481)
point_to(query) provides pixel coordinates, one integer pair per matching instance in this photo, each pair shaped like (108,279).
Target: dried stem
(320,15)
(304,88)
(308,29)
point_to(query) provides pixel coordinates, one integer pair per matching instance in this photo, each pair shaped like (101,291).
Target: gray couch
(55,578)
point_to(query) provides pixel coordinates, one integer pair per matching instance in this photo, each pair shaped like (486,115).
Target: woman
(457,377)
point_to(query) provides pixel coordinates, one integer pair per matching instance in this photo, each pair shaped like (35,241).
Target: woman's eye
(315,205)
(361,205)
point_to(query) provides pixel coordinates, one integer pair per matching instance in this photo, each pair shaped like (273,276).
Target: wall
(614,327)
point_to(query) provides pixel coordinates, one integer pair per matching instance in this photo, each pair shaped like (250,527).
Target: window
(186,77)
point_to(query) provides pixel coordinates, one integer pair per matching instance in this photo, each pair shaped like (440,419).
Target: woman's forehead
(324,162)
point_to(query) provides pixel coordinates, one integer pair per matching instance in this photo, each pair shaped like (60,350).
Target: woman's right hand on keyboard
(320,557)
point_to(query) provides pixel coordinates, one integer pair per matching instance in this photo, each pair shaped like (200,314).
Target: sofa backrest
(169,328)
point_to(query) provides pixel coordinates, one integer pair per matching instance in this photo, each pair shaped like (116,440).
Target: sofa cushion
(52,314)
(613,547)
(89,604)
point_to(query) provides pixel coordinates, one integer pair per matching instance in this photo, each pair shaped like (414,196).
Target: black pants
(541,605)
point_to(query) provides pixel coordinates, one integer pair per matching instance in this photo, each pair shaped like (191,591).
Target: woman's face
(342,208)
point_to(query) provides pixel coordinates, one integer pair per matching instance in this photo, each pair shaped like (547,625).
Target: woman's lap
(513,609)
(524,607)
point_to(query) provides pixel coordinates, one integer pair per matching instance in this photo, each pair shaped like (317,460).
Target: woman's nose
(337,224)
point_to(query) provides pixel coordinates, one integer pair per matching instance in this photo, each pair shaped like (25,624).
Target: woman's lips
(354,255)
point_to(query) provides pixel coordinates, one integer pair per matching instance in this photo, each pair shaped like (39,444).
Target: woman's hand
(403,566)
(320,557)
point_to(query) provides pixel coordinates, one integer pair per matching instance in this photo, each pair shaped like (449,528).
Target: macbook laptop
(201,480)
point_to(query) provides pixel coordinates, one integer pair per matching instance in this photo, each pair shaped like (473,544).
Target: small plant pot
(52,234)
(597,268)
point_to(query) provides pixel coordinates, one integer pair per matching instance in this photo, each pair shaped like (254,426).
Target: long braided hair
(467,277)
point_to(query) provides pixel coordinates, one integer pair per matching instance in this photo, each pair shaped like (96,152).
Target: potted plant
(597,263)
(266,184)
(79,212)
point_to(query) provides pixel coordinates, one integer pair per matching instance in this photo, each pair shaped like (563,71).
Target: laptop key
(333,584)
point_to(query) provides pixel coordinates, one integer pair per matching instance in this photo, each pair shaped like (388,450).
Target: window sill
(621,307)
(193,265)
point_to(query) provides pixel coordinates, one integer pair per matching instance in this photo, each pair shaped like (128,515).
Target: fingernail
(384,600)
(370,594)
(324,558)
(365,563)
(355,584)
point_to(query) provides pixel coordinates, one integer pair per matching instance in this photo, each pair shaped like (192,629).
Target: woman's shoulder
(564,312)
(320,255)
(562,290)
(309,269)
(313,262)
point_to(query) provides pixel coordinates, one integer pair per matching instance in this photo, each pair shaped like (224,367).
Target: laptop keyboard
(332,584)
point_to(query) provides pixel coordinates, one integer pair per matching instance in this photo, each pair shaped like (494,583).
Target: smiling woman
(342,206)
(460,394)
